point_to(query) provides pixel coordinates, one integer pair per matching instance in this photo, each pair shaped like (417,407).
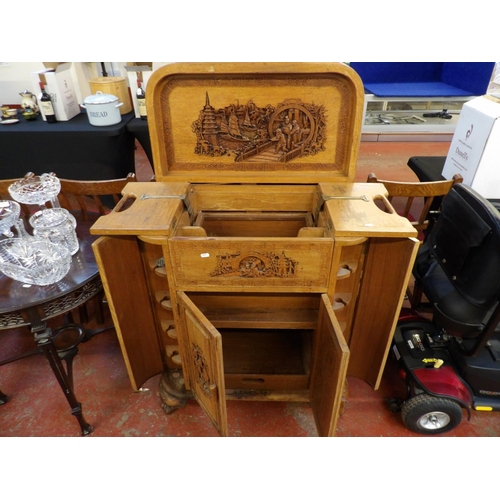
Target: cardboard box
(134,72)
(59,84)
(82,72)
(475,147)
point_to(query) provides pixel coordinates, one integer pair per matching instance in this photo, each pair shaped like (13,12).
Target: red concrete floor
(37,407)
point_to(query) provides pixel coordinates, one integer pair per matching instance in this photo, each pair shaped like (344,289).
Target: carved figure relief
(279,133)
(255,265)
(202,373)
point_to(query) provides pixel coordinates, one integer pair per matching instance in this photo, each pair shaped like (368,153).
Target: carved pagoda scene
(280,133)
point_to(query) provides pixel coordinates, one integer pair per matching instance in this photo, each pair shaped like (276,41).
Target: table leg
(45,342)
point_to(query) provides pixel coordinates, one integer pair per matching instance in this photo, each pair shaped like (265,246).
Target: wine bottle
(46,105)
(141,101)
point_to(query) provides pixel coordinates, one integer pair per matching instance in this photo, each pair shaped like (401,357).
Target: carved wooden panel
(204,365)
(235,263)
(231,122)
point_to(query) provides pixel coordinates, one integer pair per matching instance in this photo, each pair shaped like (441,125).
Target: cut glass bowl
(35,189)
(34,261)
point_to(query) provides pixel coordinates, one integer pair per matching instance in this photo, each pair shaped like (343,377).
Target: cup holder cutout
(339,303)
(125,203)
(346,269)
(382,203)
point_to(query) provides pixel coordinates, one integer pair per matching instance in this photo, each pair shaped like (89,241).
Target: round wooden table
(31,305)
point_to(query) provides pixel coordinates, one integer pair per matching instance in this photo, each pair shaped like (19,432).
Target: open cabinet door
(121,269)
(329,370)
(204,364)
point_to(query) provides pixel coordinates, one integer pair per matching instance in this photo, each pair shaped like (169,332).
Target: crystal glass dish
(34,261)
(35,189)
(9,214)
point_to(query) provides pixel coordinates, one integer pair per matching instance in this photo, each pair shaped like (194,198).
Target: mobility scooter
(452,361)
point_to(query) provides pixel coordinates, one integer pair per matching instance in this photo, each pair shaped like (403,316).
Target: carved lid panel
(280,123)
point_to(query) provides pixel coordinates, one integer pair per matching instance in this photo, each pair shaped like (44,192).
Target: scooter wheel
(431,415)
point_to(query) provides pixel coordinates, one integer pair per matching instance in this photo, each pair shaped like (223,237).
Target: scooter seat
(458,267)
(457,315)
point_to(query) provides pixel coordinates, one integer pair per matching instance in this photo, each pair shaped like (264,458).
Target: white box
(475,148)
(132,73)
(59,85)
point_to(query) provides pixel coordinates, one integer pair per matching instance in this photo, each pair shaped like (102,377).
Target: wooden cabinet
(244,276)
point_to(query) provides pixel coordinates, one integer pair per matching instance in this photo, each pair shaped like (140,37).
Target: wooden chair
(415,202)
(88,200)
(417,198)
(92,198)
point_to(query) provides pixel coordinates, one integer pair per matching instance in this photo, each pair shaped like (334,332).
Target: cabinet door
(329,369)
(204,365)
(121,269)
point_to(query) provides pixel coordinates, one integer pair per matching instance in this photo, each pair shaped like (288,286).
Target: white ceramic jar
(102,109)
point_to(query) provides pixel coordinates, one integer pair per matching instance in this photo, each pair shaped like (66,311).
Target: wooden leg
(44,341)
(172,391)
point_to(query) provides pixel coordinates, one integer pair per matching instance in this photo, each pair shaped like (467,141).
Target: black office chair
(458,268)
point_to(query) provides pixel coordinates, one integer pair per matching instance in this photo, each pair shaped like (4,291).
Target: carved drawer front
(236,263)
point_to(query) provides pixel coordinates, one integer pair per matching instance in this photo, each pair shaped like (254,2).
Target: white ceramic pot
(102,109)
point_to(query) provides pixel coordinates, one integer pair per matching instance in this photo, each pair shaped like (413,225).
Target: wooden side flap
(147,208)
(360,209)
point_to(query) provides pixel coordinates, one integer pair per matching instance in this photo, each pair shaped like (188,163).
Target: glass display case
(414,115)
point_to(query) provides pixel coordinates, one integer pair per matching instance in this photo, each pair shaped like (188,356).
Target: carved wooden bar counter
(254,267)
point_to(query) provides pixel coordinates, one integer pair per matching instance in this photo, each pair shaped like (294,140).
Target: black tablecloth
(139,129)
(73,149)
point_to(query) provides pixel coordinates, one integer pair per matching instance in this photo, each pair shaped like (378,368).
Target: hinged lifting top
(274,123)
